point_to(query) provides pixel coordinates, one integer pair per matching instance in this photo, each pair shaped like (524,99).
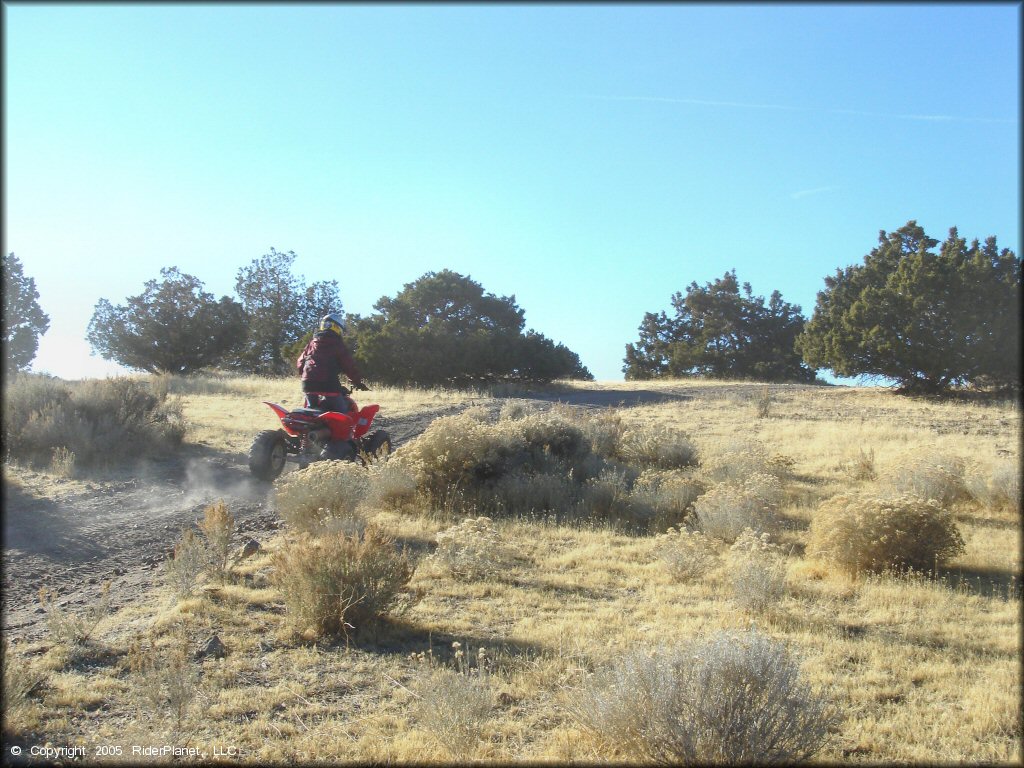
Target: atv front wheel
(267,454)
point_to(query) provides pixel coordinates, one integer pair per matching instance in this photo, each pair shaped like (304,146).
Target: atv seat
(308,411)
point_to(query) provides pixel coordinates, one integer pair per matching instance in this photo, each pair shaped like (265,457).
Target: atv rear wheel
(377,444)
(267,454)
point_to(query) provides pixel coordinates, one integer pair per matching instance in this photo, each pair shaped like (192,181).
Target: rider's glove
(360,386)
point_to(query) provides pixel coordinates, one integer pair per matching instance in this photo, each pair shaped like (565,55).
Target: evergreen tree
(172,326)
(720,331)
(280,308)
(24,319)
(929,321)
(443,329)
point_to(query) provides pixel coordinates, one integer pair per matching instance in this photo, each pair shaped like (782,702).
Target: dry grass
(920,669)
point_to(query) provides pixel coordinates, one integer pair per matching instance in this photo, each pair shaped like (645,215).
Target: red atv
(309,434)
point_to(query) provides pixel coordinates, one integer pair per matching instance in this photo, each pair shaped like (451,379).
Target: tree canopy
(927,320)
(719,331)
(443,329)
(280,308)
(24,319)
(172,326)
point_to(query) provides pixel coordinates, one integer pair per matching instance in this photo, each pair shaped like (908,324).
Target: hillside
(499,661)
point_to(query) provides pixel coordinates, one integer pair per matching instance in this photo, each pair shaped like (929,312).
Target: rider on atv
(321,362)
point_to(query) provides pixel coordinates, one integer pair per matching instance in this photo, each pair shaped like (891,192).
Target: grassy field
(495,666)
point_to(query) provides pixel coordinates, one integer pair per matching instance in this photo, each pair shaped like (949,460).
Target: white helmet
(332,322)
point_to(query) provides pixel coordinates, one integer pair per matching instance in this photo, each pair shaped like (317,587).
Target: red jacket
(323,359)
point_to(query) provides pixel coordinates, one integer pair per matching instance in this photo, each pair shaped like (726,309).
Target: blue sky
(589,159)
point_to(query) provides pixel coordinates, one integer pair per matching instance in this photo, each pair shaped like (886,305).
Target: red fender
(281,412)
(364,419)
(341,425)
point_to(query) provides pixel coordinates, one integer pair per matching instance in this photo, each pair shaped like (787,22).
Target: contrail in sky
(787,108)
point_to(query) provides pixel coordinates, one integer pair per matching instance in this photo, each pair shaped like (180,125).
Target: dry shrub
(74,630)
(459,451)
(999,490)
(737,460)
(670,494)
(216,526)
(514,466)
(454,702)
(326,494)
(608,498)
(658,447)
(757,572)
(160,385)
(533,495)
(191,557)
(734,699)
(558,462)
(453,709)
(337,582)
(166,680)
(610,437)
(390,486)
(936,477)
(63,462)
(862,466)
(726,510)
(552,435)
(603,431)
(102,422)
(472,550)
(19,680)
(862,533)
(512,410)
(688,555)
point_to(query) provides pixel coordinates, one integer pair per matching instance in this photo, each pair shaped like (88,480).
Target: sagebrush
(727,510)
(757,572)
(472,550)
(687,555)
(455,702)
(326,494)
(561,462)
(865,533)
(736,698)
(101,422)
(930,476)
(337,582)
